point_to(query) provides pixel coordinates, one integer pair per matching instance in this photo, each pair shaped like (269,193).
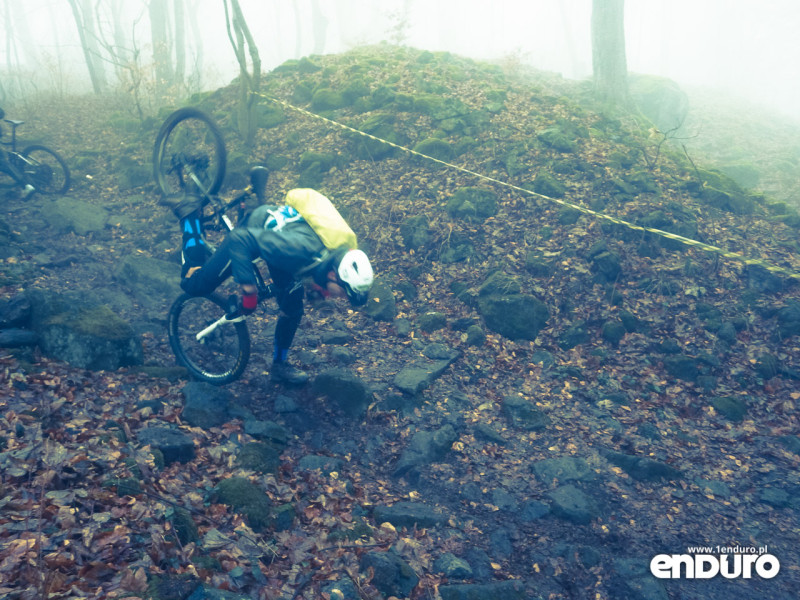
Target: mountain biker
(292,251)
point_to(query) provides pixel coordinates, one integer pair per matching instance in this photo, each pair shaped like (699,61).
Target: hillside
(654,410)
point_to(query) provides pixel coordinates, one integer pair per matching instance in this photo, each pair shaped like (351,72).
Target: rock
(425,447)
(393,576)
(533,511)
(174,445)
(344,388)
(267,431)
(473,204)
(563,469)
(432,321)
(511,589)
(515,316)
(148,277)
(571,504)
(247,498)
(184,526)
(613,332)
(731,407)
(642,469)
(410,514)
(259,457)
(499,284)
(775,497)
(381,304)
(452,567)
(475,335)
(789,319)
(85,335)
(18,338)
(418,376)
(325,464)
(73,215)
(522,414)
(205,405)
(15,312)
(345,587)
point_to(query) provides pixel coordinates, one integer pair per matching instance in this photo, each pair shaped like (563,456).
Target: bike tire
(46,170)
(189,135)
(223,355)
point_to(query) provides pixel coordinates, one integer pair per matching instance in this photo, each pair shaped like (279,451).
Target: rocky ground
(653,411)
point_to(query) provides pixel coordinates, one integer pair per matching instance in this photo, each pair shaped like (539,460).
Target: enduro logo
(731,563)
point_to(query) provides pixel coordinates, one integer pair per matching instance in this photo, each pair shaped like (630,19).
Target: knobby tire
(222,357)
(192,133)
(49,173)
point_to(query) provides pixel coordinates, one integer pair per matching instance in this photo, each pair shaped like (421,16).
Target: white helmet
(356,276)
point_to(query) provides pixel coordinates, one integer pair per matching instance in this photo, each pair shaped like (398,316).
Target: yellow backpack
(319,212)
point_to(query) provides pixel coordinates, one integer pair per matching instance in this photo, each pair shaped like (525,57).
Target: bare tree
(162,44)
(249,83)
(84,19)
(608,52)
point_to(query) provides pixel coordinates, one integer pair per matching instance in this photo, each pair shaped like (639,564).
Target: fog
(745,48)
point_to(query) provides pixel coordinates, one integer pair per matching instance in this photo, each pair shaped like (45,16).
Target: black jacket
(293,248)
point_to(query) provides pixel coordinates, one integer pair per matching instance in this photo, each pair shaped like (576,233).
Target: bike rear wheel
(189,153)
(45,170)
(219,357)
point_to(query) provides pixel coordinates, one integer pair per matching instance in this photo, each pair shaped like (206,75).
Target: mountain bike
(36,168)
(206,333)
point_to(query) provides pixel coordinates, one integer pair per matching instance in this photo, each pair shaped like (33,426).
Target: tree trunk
(249,83)
(162,51)
(608,52)
(84,19)
(180,42)
(319,26)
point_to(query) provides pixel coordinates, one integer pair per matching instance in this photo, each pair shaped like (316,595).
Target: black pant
(227,261)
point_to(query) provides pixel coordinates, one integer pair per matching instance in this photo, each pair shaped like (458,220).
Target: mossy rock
(557,140)
(432,321)
(302,94)
(499,283)
(613,332)
(354,90)
(326,99)
(473,204)
(380,125)
(184,526)
(247,498)
(515,316)
(416,232)
(436,148)
(259,457)
(547,185)
(730,407)
(269,116)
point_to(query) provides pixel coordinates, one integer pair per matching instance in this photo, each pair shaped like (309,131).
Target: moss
(325,99)
(99,321)
(247,498)
(184,526)
(436,148)
(548,185)
(260,457)
(270,116)
(473,204)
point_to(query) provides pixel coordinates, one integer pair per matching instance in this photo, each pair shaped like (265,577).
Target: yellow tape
(588,211)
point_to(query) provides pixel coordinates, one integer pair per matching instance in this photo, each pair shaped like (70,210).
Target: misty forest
(576,375)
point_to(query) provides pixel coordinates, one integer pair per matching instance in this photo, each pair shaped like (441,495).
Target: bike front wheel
(45,170)
(217,355)
(189,154)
